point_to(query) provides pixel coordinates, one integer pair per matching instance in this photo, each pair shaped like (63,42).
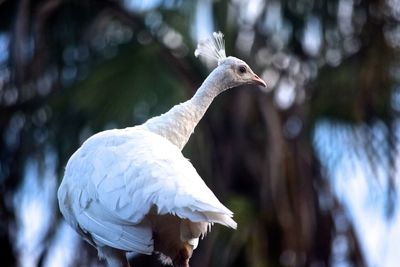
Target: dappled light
(365,176)
(309,164)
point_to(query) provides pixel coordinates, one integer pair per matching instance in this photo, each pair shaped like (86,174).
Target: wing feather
(151,170)
(117,176)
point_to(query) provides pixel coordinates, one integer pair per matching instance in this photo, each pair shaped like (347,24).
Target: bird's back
(117,176)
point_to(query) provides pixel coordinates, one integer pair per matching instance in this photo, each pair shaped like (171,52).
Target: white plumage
(133,190)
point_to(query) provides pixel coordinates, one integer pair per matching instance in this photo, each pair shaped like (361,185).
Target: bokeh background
(309,165)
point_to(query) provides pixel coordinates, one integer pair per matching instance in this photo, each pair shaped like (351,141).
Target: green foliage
(74,68)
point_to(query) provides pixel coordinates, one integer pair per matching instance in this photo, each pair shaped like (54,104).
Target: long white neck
(179,122)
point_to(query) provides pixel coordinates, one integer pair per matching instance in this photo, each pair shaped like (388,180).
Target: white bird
(132,189)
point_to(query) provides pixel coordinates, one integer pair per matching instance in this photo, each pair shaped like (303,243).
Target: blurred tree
(71,68)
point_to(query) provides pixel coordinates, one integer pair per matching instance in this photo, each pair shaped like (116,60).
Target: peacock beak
(257,80)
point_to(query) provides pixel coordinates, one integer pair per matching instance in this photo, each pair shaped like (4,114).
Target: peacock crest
(212,48)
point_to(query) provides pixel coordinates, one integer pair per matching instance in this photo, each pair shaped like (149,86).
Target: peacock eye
(242,69)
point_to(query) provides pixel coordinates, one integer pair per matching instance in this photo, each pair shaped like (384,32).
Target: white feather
(212,48)
(133,190)
(110,185)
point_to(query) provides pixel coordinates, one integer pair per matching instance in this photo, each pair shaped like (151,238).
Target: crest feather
(212,48)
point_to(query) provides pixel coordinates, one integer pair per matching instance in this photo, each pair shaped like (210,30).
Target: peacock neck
(179,122)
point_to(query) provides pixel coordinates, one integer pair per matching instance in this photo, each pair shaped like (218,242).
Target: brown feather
(171,236)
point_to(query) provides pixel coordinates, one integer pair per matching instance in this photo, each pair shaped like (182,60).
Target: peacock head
(234,71)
